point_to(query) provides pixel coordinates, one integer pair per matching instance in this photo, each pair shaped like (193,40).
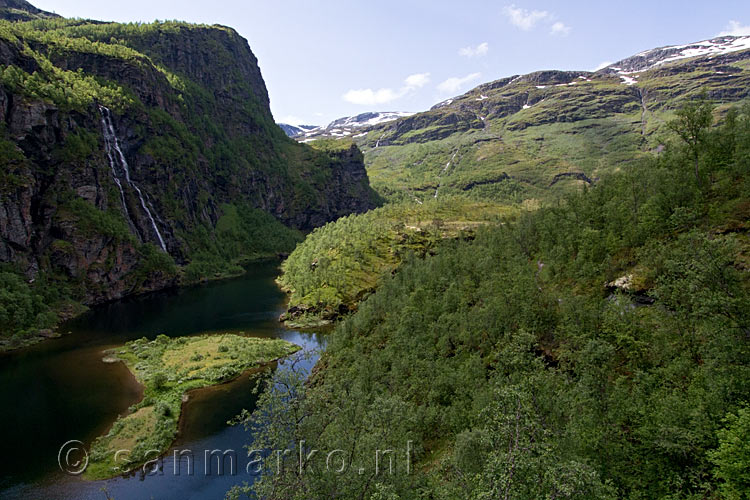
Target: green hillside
(539,135)
(595,348)
(136,157)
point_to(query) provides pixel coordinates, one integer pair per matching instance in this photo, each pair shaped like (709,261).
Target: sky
(325,59)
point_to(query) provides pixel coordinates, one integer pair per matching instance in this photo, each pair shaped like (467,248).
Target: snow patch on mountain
(650,59)
(351,125)
(442,104)
(295,130)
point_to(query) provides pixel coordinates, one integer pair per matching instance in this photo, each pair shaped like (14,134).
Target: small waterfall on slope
(115,156)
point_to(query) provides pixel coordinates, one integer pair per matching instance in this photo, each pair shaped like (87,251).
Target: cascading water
(115,176)
(115,156)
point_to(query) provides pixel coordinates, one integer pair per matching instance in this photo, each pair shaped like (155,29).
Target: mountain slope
(525,136)
(650,59)
(127,147)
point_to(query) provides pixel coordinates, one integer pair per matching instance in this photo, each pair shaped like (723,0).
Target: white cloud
(292,120)
(478,51)
(734,28)
(524,19)
(452,85)
(559,28)
(417,80)
(603,65)
(370,97)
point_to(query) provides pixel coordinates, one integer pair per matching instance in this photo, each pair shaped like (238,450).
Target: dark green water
(60,390)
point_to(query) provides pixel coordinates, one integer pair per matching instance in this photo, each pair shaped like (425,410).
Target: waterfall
(115,156)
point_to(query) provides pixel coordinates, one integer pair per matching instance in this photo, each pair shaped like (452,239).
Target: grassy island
(168,368)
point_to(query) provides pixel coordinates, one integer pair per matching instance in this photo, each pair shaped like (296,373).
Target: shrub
(159,380)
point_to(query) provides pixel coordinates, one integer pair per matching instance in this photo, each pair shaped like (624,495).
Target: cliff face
(55,211)
(120,144)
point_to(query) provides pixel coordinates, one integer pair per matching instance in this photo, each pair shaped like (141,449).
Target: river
(61,390)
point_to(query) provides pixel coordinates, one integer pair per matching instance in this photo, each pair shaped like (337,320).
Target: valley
(536,288)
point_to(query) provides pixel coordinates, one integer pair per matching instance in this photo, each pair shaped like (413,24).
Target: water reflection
(61,390)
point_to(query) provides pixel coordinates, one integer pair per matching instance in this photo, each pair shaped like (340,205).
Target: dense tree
(514,372)
(692,124)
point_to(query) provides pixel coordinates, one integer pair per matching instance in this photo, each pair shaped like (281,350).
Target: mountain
(350,125)
(526,136)
(294,130)
(127,149)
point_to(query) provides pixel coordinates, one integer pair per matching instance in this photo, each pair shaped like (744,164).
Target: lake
(61,390)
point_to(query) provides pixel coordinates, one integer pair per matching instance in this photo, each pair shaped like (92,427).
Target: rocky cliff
(123,146)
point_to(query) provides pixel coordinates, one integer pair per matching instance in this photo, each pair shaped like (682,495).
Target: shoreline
(101,472)
(181,421)
(7,346)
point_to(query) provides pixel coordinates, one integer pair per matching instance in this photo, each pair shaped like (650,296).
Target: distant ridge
(522,135)
(649,59)
(349,125)
(295,130)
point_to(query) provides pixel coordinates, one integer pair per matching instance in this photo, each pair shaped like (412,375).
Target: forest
(595,348)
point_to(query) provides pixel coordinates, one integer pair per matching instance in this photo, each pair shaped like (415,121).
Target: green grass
(168,368)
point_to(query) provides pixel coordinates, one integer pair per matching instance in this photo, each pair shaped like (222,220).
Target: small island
(168,368)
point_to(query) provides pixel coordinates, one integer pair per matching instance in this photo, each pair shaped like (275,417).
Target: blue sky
(324,59)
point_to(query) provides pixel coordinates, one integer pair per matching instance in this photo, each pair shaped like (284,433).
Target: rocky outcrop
(428,126)
(20,10)
(471,185)
(347,191)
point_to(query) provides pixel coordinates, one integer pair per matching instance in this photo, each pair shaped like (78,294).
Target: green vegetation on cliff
(168,368)
(208,169)
(595,348)
(342,262)
(241,234)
